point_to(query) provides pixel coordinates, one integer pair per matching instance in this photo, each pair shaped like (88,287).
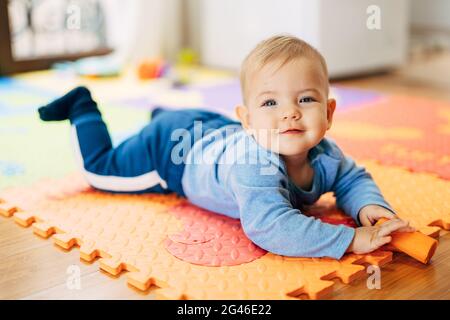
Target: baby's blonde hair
(284,48)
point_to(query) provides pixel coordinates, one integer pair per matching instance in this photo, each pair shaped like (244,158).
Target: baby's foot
(155,112)
(75,102)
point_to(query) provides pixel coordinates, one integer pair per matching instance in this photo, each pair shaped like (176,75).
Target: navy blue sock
(76,102)
(156,111)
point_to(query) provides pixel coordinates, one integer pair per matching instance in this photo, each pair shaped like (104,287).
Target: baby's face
(288,110)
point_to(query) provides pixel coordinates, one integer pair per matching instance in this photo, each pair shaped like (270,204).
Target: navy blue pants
(142,163)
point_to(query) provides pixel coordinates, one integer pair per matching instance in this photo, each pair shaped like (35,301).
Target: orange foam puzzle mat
(409,132)
(190,253)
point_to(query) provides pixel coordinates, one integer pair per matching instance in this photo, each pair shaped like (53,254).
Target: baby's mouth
(293,131)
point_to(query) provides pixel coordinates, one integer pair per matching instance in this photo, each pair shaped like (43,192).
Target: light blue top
(228,172)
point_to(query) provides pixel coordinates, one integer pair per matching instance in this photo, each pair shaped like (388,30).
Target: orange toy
(415,244)
(151,69)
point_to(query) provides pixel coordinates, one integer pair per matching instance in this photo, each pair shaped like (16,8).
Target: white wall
(338,29)
(143,28)
(350,47)
(140,29)
(231,28)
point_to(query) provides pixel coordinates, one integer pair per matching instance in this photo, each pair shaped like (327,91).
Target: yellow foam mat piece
(422,198)
(128,232)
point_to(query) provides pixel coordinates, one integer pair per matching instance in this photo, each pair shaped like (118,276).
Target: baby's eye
(269,103)
(307,99)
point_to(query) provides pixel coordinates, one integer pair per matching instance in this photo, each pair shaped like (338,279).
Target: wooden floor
(34,268)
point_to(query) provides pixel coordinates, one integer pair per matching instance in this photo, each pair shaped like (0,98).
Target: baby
(262,170)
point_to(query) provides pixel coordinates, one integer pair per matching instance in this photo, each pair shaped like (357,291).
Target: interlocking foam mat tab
(164,241)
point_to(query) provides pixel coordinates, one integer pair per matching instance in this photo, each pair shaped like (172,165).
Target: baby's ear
(331,106)
(242,114)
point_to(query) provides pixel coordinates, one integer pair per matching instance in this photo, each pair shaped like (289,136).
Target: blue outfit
(140,164)
(219,167)
(256,189)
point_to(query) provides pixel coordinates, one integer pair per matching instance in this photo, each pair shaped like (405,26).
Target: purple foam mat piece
(347,98)
(138,102)
(223,97)
(220,98)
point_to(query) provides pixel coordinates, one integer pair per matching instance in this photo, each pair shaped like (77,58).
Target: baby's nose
(292,114)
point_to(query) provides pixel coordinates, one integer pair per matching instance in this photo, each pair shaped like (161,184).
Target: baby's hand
(370,214)
(368,239)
